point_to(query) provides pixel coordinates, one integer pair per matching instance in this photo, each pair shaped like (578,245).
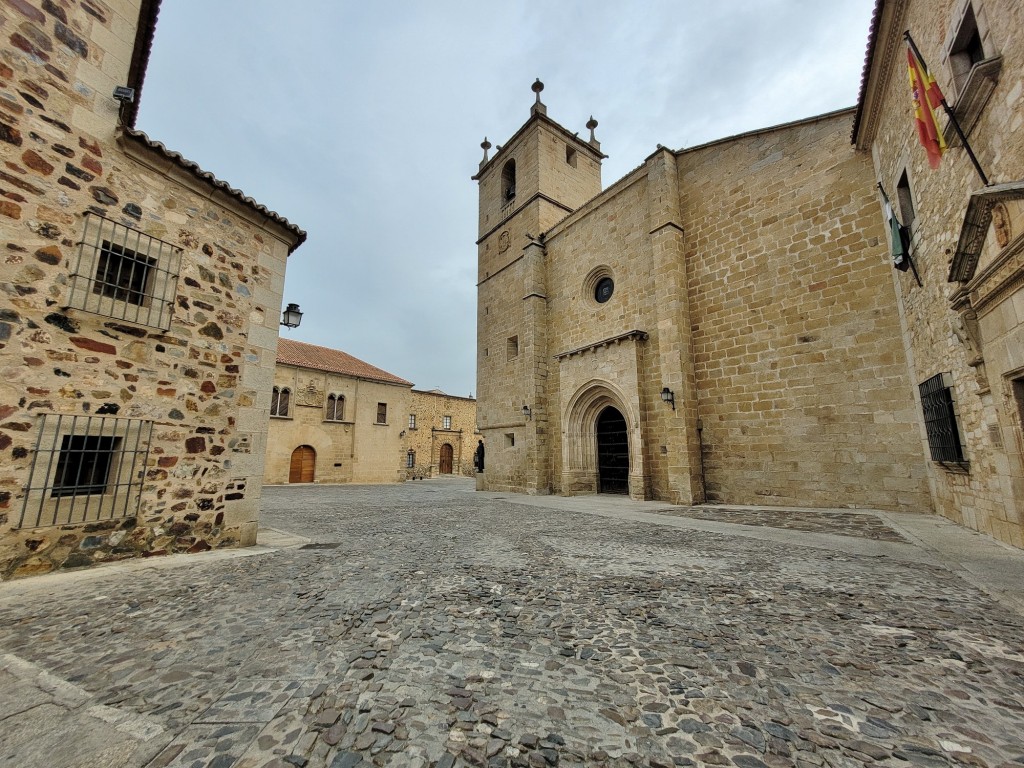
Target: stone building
(334,418)
(139,308)
(440,435)
(721,324)
(964,324)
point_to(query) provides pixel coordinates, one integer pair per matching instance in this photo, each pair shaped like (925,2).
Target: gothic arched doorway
(445,466)
(612,452)
(303,466)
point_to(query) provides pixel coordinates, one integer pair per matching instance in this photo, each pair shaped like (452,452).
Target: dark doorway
(303,465)
(446,459)
(612,452)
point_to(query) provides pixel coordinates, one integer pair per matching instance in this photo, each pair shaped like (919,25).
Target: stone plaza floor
(427,624)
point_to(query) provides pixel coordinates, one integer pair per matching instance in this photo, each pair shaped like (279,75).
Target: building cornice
(634,335)
(885,43)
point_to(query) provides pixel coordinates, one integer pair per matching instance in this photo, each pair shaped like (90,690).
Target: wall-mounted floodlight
(124,94)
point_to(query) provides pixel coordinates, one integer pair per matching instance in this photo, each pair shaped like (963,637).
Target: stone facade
(139,305)
(333,417)
(965,322)
(440,431)
(750,350)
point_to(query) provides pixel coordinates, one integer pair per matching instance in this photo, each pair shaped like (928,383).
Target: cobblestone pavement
(838,523)
(427,625)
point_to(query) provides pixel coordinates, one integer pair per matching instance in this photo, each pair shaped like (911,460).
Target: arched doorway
(612,452)
(445,465)
(303,465)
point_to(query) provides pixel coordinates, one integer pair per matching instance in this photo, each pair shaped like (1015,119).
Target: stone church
(724,323)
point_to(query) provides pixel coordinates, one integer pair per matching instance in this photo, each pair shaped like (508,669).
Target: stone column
(676,430)
(535,343)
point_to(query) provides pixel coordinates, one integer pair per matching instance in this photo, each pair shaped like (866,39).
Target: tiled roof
(304,355)
(149,11)
(209,178)
(876,16)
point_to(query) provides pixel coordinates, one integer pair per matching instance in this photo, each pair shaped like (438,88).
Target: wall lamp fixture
(668,396)
(292,316)
(527,413)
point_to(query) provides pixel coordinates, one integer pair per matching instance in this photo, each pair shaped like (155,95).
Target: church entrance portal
(612,452)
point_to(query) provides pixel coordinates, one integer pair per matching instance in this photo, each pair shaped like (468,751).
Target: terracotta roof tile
(304,355)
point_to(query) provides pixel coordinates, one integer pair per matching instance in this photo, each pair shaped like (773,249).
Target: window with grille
(382,413)
(940,419)
(123,273)
(410,459)
(280,400)
(412,421)
(446,422)
(335,407)
(85,468)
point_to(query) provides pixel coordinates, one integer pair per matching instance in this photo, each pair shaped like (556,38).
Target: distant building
(440,435)
(721,323)
(139,307)
(334,418)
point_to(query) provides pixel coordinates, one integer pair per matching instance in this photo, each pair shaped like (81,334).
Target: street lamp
(668,396)
(292,316)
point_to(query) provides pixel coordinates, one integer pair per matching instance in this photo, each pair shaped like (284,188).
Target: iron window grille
(335,407)
(280,399)
(940,419)
(85,468)
(412,421)
(382,413)
(410,459)
(123,273)
(446,422)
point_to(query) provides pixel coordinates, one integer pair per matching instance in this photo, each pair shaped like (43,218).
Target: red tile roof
(304,355)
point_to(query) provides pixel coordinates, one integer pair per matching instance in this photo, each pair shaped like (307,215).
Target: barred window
(410,459)
(382,413)
(940,419)
(85,468)
(123,273)
(280,399)
(412,421)
(335,407)
(446,422)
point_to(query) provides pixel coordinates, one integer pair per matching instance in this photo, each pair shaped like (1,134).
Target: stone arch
(579,436)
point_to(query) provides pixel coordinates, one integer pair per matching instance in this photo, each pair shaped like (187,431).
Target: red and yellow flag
(927,98)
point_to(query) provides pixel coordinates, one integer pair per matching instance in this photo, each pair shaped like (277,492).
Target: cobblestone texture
(426,625)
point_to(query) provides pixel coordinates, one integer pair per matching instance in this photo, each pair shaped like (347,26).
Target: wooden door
(446,459)
(303,465)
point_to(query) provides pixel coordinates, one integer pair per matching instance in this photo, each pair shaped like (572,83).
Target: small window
(382,415)
(85,468)
(280,400)
(966,49)
(512,348)
(570,155)
(410,459)
(510,439)
(906,200)
(124,273)
(940,419)
(508,181)
(84,464)
(446,422)
(335,407)
(412,421)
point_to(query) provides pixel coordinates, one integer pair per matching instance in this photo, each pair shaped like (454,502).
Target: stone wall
(202,379)
(429,434)
(354,450)
(974,332)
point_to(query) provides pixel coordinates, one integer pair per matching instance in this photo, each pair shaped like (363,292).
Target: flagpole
(949,112)
(910,260)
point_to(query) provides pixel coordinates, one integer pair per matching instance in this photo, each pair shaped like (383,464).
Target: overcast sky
(361,122)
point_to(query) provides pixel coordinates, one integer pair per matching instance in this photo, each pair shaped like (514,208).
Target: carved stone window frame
(972,82)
